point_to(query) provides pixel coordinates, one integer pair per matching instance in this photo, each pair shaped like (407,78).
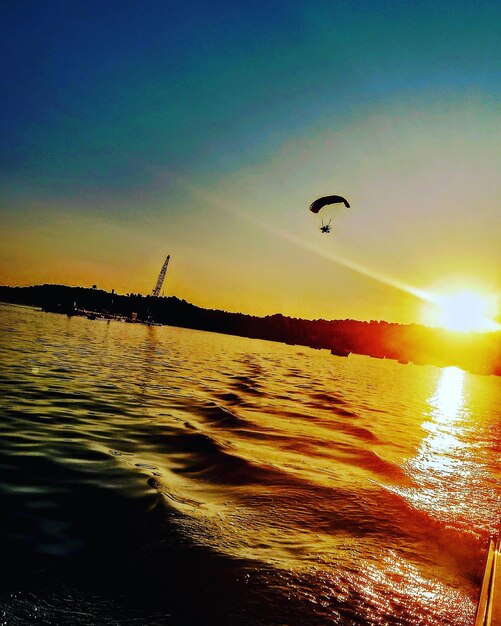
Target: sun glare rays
(464,311)
(222,205)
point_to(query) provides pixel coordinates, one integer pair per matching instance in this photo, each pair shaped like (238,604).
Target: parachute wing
(321,202)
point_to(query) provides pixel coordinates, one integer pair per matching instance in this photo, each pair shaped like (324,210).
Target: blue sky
(113,110)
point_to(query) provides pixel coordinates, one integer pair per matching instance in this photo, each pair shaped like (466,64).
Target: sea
(157,475)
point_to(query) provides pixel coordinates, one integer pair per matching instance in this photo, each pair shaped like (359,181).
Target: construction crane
(161,278)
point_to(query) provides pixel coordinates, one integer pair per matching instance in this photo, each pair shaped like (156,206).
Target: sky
(131,130)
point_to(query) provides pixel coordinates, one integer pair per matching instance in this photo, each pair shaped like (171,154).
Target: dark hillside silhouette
(478,353)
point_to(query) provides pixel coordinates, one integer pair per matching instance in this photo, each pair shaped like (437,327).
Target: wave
(217,414)
(246,384)
(204,458)
(230,397)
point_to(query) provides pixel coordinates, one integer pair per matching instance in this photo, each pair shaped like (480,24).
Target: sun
(464,311)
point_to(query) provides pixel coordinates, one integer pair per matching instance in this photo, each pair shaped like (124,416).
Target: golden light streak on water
(448,400)
(394,582)
(447,410)
(447,476)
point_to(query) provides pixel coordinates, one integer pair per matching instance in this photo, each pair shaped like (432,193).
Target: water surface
(155,475)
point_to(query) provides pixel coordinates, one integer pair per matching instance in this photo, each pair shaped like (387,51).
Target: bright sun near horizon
(464,311)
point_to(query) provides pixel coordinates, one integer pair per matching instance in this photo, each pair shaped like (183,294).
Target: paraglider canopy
(325,200)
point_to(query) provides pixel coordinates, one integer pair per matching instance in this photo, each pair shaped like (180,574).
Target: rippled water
(155,475)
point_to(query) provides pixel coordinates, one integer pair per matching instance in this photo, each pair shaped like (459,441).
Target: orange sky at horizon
(420,216)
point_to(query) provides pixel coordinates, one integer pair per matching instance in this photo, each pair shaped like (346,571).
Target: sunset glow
(464,311)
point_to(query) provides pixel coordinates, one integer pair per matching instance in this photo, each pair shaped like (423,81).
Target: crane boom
(161,277)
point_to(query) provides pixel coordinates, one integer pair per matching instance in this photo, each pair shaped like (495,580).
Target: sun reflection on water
(449,479)
(440,451)
(446,477)
(448,399)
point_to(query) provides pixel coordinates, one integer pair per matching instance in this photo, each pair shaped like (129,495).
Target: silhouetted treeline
(479,353)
